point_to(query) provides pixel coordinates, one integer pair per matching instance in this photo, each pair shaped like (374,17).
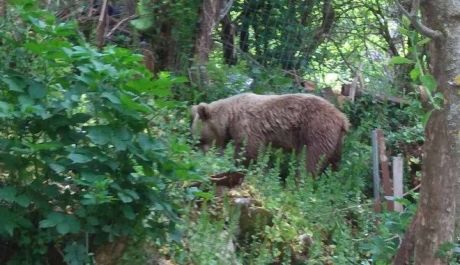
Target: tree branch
(224,11)
(119,24)
(100,30)
(412,15)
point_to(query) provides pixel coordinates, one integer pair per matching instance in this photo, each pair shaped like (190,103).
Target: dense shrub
(79,163)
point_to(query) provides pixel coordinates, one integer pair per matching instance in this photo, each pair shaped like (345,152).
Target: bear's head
(207,127)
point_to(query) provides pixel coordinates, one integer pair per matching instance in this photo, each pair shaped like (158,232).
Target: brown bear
(290,122)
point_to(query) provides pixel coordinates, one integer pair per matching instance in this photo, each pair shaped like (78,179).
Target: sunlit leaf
(400,60)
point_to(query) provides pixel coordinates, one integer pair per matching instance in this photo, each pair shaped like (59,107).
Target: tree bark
(101,26)
(2,8)
(228,41)
(435,221)
(441,165)
(209,17)
(244,28)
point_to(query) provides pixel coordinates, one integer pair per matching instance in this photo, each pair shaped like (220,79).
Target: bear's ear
(203,111)
(193,111)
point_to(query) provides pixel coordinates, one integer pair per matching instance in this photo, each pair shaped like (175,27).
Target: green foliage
(419,74)
(171,27)
(402,124)
(384,243)
(77,155)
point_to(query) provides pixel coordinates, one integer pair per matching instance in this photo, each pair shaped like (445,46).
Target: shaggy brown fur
(290,122)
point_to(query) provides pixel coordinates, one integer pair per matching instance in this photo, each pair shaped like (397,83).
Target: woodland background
(97,165)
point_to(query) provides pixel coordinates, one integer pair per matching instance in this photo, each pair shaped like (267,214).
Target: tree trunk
(442,147)
(102,25)
(2,8)
(228,41)
(209,17)
(435,220)
(244,28)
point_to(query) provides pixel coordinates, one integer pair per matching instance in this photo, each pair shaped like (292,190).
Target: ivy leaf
(400,60)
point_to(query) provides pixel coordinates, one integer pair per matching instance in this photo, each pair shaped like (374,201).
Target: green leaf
(5,109)
(79,158)
(128,212)
(8,220)
(124,197)
(52,220)
(63,228)
(111,97)
(50,146)
(414,73)
(143,23)
(121,138)
(99,134)
(130,104)
(429,82)
(73,223)
(75,254)
(14,84)
(36,90)
(141,85)
(8,193)
(57,167)
(80,117)
(400,60)
(64,223)
(23,200)
(424,41)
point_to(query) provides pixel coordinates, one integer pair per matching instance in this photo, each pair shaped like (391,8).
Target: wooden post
(398,181)
(385,169)
(375,171)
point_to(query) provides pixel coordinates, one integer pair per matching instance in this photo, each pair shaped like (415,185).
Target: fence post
(385,169)
(375,171)
(397,181)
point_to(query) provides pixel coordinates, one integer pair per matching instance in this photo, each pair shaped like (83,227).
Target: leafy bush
(80,164)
